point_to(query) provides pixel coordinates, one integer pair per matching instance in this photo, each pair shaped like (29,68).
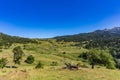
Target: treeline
(103,43)
(6,40)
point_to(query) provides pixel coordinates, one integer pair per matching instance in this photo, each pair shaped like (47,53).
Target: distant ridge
(4,38)
(114,30)
(95,35)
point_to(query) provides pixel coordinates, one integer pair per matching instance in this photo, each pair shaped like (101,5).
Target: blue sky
(49,18)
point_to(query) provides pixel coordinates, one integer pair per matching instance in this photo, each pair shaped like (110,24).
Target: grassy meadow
(51,51)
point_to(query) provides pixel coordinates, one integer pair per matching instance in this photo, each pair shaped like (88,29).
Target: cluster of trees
(18,53)
(103,43)
(17,57)
(113,45)
(99,57)
(101,39)
(115,52)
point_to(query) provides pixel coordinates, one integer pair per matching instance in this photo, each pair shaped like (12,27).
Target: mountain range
(95,35)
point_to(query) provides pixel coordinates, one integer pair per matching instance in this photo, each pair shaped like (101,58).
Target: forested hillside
(7,40)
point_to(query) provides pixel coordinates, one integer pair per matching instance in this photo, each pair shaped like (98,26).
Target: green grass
(60,74)
(83,74)
(47,52)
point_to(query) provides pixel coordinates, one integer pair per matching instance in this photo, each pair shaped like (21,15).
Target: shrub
(30,59)
(0,50)
(39,65)
(84,55)
(111,65)
(54,63)
(3,62)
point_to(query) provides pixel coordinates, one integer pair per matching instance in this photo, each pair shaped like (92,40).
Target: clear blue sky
(49,18)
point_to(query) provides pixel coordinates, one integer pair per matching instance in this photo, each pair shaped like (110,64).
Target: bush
(39,65)
(111,66)
(84,55)
(3,62)
(0,50)
(54,63)
(30,59)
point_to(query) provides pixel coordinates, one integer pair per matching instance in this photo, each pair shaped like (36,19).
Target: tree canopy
(18,53)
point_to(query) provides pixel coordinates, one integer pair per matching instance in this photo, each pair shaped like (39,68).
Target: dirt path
(15,75)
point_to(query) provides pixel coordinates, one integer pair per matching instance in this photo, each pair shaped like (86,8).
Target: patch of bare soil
(15,75)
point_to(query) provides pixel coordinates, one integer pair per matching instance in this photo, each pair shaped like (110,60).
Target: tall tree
(18,53)
(101,57)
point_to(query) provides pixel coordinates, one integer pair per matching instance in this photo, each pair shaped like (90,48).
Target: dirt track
(15,75)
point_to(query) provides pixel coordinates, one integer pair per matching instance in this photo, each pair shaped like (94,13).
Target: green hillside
(52,56)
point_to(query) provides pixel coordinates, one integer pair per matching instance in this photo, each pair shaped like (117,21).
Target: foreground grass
(47,52)
(57,73)
(82,74)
